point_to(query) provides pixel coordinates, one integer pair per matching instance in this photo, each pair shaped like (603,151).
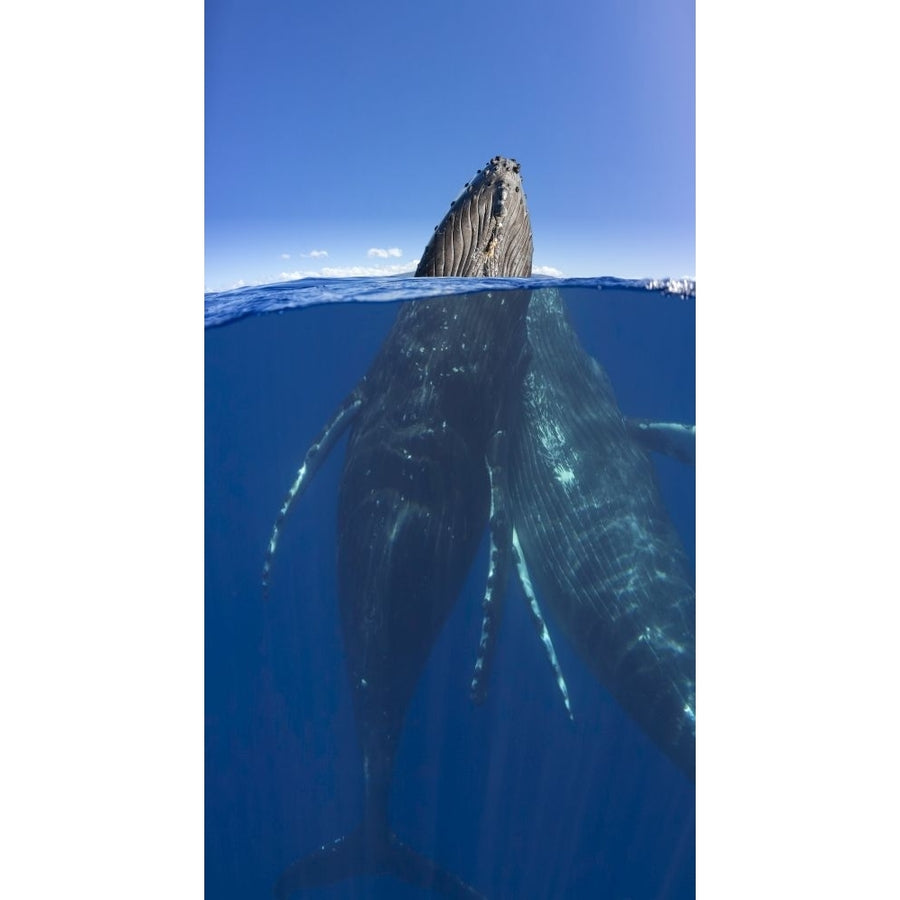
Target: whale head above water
(487,232)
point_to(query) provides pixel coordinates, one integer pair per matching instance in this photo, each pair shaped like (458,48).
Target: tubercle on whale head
(487,231)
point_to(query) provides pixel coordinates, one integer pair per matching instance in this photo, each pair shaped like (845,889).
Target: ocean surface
(511,796)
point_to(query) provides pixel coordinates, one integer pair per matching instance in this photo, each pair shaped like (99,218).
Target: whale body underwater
(480,413)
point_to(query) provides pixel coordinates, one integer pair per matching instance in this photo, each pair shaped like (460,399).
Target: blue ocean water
(511,795)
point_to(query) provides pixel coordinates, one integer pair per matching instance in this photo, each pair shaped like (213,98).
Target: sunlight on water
(226,306)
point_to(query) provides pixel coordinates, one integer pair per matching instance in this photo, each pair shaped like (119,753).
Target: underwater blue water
(511,795)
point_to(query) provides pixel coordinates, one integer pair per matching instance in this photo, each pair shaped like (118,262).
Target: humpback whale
(424,474)
(593,532)
(485,412)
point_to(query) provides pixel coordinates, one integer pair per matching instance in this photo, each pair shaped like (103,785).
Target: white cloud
(384,254)
(285,255)
(314,254)
(354,271)
(546,270)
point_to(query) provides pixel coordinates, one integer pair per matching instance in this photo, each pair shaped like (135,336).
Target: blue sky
(343,128)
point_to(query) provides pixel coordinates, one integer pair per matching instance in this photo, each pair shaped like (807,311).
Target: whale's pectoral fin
(357,855)
(498,566)
(314,458)
(538,619)
(671,438)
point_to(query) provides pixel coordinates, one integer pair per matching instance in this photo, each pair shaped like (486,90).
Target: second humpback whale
(592,530)
(424,474)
